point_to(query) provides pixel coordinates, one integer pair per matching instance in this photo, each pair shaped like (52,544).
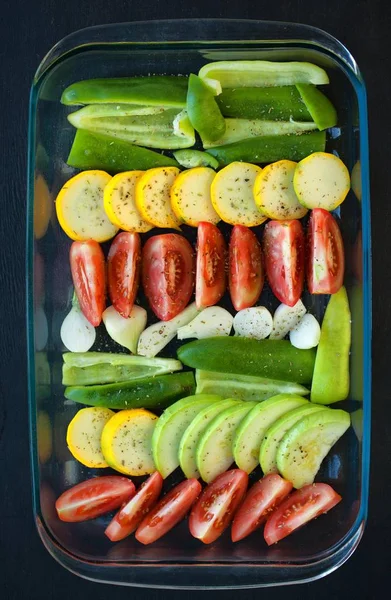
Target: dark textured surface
(29,29)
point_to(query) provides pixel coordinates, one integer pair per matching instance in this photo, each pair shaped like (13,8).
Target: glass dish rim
(351,70)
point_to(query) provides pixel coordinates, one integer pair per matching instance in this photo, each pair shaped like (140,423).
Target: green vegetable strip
(195,158)
(151,130)
(156,90)
(203,111)
(150,392)
(242,129)
(268,149)
(319,106)
(271,104)
(273,359)
(97,151)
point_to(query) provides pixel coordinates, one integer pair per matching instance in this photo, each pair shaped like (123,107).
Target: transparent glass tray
(178,560)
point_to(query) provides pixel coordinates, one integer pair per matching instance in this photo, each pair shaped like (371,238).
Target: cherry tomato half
(123,271)
(216,507)
(210,269)
(245,273)
(261,500)
(168,274)
(326,261)
(300,507)
(88,274)
(169,511)
(94,497)
(130,516)
(283,246)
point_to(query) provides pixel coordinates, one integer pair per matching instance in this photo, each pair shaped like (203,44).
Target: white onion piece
(286,318)
(125,331)
(306,334)
(213,321)
(255,322)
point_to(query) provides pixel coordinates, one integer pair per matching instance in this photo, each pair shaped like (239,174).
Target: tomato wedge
(123,271)
(169,511)
(210,269)
(300,507)
(130,516)
(168,274)
(88,274)
(261,500)
(216,507)
(326,261)
(283,246)
(245,273)
(94,497)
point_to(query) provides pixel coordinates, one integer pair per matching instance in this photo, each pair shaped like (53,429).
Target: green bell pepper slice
(154,127)
(96,151)
(319,106)
(203,111)
(272,104)
(270,148)
(242,129)
(261,73)
(155,90)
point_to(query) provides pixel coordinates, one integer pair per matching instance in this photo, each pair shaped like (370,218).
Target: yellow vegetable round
(153,197)
(42,207)
(321,180)
(84,436)
(190,196)
(127,442)
(119,200)
(274,193)
(79,207)
(232,194)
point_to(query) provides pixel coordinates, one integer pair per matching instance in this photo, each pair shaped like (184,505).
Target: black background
(28,30)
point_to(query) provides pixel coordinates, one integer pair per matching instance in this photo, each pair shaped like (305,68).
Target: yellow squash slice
(80,210)
(190,196)
(119,200)
(274,193)
(232,194)
(127,441)
(153,197)
(84,434)
(321,180)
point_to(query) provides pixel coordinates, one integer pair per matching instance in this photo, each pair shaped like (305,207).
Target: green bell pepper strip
(319,106)
(150,392)
(155,90)
(203,111)
(195,158)
(242,129)
(271,104)
(261,73)
(96,151)
(270,148)
(330,381)
(154,130)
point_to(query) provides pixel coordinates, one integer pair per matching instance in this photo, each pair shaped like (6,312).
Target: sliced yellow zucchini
(190,196)
(127,441)
(153,196)
(79,207)
(232,194)
(274,193)
(120,202)
(84,435)
(321,180)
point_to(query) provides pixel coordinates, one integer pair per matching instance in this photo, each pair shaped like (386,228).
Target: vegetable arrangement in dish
(253,387)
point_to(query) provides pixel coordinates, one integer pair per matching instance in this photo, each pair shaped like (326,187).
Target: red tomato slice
(168,274)
(261,500)
(217,505)
(245,274)
(94,497)
(130,516)
(283,246)
(88,274)
(123,271)
(169,511)
(300,507)
(210,269)
(326,261)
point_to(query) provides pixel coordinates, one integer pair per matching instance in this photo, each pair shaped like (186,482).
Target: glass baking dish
(178,560)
